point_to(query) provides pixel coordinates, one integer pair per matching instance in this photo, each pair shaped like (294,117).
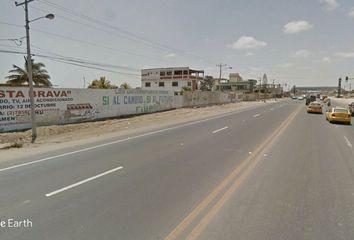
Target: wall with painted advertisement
(62,106)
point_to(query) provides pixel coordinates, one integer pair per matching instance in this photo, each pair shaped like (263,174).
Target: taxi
(338,114)
(314,107)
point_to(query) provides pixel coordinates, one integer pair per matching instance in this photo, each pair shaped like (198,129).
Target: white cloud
(330,4)
(297,26)
(345,54)
(249,54)
(326,59)
(246,42)
(351,13)
(170,55)
(303,53)
(284,65)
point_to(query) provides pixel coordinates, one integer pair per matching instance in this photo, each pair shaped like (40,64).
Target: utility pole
(339,87)
(220,65)
(29,65)
(259,89)
(29,71)
(350,84)
(274,91)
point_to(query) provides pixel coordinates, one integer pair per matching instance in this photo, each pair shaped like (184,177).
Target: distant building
(269,90)
(235,77)
(172,79)
(237,83)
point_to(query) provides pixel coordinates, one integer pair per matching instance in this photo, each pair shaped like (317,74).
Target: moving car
(338,114)
(351,108)
(314,107)
(310,99)
(300,98)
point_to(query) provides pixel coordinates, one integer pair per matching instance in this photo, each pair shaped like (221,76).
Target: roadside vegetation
(19,76)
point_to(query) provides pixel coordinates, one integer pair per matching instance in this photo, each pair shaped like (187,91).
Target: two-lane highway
(246,175)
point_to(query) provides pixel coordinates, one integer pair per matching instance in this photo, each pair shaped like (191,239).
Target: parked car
(338,114)
(314,107)
(351,108)
(300,98)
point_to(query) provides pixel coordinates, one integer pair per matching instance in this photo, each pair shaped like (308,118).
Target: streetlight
(29,65)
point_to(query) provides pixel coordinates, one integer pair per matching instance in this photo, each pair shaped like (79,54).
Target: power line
(11,24)
(71,62)
(135,37)
(85,61)
(99,22)
(95,44)
(86,42)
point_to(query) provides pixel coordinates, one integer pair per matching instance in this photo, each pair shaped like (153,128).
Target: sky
(297,42)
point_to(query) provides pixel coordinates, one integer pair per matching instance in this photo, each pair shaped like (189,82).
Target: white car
(300,98)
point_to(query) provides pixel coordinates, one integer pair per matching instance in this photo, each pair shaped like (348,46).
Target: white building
(172,79)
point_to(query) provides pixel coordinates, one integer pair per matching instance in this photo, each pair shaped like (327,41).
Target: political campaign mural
(63,106)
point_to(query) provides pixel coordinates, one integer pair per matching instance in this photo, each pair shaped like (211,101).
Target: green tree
(102,83)
(19,76)
(125,86)
(207,83)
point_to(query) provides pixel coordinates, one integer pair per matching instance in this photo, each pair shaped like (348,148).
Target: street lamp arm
(50,16)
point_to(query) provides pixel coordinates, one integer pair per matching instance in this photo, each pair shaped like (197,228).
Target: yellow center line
(215,209)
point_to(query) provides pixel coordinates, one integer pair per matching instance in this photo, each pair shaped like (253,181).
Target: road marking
(256,115)
(82,182)
(248,164)
(131,138)
(348,142)
(216,131)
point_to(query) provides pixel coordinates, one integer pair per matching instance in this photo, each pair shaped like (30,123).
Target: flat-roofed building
(171,79)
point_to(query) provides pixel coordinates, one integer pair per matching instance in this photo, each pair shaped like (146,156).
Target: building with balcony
(171,79)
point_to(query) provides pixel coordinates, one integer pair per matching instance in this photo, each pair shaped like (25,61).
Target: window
(189,84)
(178,72)
(169,73)
(161,84)
(174,84)
(185,72)
(148,84)
(162,73)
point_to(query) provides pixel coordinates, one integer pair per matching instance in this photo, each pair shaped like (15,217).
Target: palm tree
(125,86)
(102,83)
(19,76)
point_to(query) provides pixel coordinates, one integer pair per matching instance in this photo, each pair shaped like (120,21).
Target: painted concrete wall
(199,98)
(61,106)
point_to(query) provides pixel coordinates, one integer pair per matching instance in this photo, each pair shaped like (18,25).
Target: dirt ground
(73,134)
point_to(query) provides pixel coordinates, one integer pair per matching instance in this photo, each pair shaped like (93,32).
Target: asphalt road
(267,172)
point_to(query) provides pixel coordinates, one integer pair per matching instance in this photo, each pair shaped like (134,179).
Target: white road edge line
(256,115)
(130,138)
(348,142)
(220,129)
(82,182)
